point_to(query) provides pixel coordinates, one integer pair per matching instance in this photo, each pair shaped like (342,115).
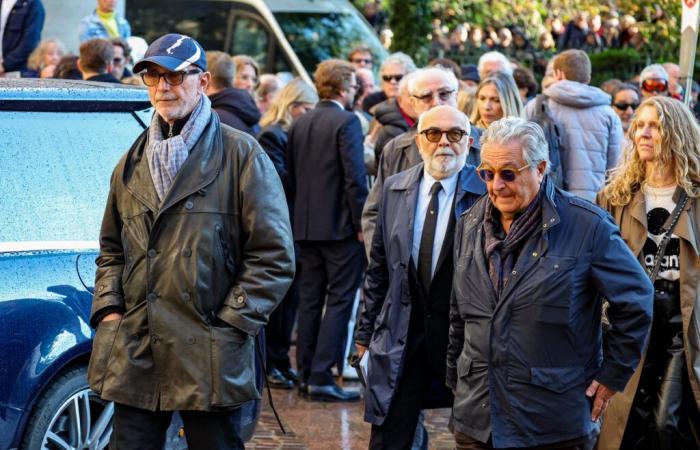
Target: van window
(250,38)
(319,36)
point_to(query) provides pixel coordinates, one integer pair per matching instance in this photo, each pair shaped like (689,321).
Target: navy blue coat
(521,363)
(383,324)
(326,174)
(22,33)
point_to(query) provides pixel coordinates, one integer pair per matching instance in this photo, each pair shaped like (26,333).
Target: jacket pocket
(464,366)
(233,367)
(557,379)
(556,290)
(102,346)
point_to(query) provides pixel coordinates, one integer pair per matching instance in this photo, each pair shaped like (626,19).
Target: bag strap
(667,237)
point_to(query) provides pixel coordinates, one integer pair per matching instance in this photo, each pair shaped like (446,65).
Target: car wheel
(69,416)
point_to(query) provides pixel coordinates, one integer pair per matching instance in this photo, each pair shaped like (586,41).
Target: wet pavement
(320,426)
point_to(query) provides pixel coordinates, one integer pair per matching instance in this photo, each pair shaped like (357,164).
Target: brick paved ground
(329,426)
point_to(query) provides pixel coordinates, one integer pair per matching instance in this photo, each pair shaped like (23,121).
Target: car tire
(60,417)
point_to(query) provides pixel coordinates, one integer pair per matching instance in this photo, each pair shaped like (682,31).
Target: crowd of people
(530,260)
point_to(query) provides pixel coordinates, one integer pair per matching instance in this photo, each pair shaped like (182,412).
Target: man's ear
(80,66)
(204,81)
(559,75)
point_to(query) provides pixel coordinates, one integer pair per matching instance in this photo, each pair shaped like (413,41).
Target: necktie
(427,238)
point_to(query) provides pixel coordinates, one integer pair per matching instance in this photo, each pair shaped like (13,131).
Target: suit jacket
(21,34)
(326,173)
(384,321)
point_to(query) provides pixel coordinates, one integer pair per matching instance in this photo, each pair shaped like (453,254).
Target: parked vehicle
(281,35)
(60,142)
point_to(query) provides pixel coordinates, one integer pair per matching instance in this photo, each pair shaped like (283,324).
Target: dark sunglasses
(361,60)
(388,78)
(624,106)
(117,60)
(655,85)
(434,135)
(444,95)
(507,174)
(152,77)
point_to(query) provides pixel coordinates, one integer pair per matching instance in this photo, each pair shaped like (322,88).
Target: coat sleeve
(619,278)
(267,252)
(109,294)
(376,285)
(16,59)
(455,341)
(276,149)
(614,143)
(371,208)
(351,151)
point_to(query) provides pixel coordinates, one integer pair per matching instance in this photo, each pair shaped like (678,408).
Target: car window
(250,38)
(55,172)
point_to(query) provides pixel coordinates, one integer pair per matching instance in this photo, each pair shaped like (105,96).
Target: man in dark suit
(405,318)
(327,182)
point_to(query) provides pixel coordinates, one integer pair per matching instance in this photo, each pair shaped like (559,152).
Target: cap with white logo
(174,52)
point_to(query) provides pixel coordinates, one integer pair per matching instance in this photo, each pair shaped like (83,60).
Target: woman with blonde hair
(290,103)
(247,73)
(496,97)
(654,196)
(43,60)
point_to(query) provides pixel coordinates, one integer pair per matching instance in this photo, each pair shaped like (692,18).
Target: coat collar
(199,169)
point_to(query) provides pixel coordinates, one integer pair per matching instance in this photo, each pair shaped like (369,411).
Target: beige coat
(633,226)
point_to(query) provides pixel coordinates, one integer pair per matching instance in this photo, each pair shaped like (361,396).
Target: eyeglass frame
(388,78)
(181,73)
(429,96)
(658,80)
(362,60)
(634,106)
(516,172)
(444,133)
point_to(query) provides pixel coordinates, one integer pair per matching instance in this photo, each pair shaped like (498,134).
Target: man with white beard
(405,321)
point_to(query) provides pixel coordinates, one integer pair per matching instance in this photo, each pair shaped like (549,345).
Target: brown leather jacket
(632,219)
(195,279)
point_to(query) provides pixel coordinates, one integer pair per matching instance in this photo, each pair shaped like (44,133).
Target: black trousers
(330,275)
(140,429)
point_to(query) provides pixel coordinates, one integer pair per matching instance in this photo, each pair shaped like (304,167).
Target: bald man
(406,330)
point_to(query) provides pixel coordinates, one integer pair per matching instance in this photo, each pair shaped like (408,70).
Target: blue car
(60,142)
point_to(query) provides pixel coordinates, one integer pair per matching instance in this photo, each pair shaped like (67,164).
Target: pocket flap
(557,379)
(464,366)
(108,286)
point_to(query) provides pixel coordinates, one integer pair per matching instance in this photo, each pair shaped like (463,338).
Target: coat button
(152,253)
(187,253)
(190,340)
(152,297)
(189,204)
(155,338)
(515,272)
(483,405)
(186,296)
(240,299)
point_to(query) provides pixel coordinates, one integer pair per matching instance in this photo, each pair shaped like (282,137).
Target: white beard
(442,167)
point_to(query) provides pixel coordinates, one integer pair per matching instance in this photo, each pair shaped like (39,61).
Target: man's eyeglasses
(152,77)
(507,174)
(361,60)
(117,60)
(624,106)
(444,95)
(388,78)
(655,85)
(434,135)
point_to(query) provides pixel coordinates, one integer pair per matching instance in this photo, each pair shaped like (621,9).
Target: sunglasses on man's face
(434,135)
(624,106)
(507,173)
(443,94)
(655,85)
(361,61)
(388,78)
(152,77)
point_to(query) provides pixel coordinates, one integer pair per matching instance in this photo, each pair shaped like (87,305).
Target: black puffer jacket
(237,109)
(393,123)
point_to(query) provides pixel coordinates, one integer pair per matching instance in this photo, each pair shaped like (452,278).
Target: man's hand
(360,350)
(602,398)
(360,237)
(111,316)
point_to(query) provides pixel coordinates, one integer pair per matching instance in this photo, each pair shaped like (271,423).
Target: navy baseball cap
(174,52)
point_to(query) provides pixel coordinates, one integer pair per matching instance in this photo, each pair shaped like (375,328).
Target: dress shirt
(445,199)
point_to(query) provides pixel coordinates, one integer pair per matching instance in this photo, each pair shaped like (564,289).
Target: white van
(281,35)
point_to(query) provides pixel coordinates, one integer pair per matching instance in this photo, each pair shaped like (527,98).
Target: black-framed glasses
(624,106)
(152,77)
(361,60)
(388,78)
(443,94)
(434,135)
(507,173)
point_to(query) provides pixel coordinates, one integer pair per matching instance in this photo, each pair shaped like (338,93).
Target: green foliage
(615,63)
(410,21)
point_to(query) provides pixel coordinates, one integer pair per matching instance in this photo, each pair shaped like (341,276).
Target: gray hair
(398,58)
(653,71)
(463,117)
(428,72)
(496,57)
(528,134)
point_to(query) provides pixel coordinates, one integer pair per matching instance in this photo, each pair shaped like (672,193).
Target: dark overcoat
(386,314)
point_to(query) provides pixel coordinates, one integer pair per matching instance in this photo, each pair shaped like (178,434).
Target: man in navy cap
(195,252)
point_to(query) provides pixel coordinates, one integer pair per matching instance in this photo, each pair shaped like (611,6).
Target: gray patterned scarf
(166,156)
